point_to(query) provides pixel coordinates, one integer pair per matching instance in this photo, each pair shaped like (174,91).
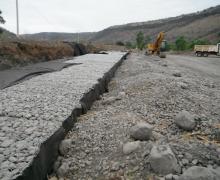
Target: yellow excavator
(158,47)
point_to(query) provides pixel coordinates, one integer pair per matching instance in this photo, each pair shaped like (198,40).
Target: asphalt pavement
(18,74)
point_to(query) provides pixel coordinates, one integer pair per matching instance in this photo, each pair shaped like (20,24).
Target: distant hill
(7,35)
(200,25)
(203,25)
(54,36)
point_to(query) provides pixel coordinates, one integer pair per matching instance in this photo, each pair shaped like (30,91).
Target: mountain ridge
(187,24)
(199,25)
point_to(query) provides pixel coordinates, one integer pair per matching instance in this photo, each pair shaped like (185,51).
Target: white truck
(205,50)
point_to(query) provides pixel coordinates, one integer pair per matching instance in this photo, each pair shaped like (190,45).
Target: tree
(197,42)
(181,43)
(140,40)
(2,21)
(147,40)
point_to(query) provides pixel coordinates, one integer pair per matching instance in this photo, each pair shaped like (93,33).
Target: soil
(153,90)
(22,53)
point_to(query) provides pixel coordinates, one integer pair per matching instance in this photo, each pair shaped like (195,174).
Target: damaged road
(160,120)
(19,74)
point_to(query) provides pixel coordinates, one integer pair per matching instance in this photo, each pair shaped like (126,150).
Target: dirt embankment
(19,53)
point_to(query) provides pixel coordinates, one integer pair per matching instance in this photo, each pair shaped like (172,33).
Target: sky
(91,15)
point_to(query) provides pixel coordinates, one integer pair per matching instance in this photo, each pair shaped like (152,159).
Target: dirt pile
(14,53)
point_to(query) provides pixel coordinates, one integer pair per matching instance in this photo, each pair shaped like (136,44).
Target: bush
(129,45)
(147,40)
(120,43)
(197,42)
(181,43)
(140,40)
(2,21)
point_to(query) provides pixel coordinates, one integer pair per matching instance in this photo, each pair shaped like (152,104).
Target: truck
(206,50)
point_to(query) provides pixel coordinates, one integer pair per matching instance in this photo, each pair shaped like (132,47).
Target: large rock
(65,146)
(163,161)
(131,147)
(141,131)
(63,169)
(185,121)
(200,173)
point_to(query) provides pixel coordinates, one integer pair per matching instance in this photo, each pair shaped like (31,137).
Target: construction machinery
(205,50)
(158,47)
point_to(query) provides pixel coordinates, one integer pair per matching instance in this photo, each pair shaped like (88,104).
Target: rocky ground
(159,120)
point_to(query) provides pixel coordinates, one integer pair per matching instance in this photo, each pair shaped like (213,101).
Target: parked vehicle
(206,50)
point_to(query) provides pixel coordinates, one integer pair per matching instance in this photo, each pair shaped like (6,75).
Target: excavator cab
(163,49)
(163,46)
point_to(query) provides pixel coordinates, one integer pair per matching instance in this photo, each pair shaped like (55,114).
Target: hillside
(200,25)
(6,35)
(204,25)
(53,36)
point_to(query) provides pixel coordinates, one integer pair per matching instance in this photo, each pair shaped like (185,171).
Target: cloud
(92,15)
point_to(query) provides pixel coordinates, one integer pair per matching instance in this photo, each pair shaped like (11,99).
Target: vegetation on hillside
(140,40)
(199,25)
(180,44)
(2,21)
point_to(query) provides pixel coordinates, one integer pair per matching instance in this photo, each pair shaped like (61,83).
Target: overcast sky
(92,15)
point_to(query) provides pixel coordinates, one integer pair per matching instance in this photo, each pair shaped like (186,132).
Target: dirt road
(207,66)
(151,90)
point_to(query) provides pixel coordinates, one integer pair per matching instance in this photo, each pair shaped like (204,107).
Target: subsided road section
(36,114)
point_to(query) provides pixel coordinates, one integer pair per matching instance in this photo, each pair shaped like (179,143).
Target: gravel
(150,93)
(33,110)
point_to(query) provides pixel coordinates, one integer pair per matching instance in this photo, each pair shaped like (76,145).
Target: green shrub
(140,40)
(181,43)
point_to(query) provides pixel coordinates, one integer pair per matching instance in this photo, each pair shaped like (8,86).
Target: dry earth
(151,90)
